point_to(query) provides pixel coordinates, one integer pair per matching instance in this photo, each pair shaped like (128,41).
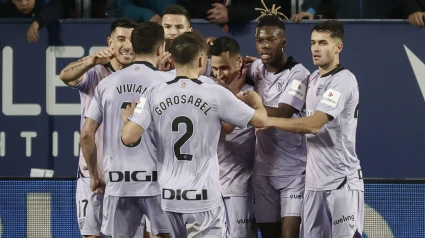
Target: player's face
(225,66)
(270,41)
(24,6)
(324,48)
(120,41)
(174,25)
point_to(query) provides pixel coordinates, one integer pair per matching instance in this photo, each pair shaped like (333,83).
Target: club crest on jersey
(183,84)
(137,68)
(320,90)
(279,86)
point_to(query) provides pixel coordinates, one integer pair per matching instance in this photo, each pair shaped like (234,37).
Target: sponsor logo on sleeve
(331,97)
(298,89)
(140,105)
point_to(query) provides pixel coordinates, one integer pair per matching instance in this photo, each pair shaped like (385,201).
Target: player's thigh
(240,214)
(267,200)
(89,209)
(159,223)
(347,210)
(123,216)
(316,217)
(291,194)
(177,224)
(206,224)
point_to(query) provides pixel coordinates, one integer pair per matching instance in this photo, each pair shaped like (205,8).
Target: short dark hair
(177,10)
(124,23)
(146,37)
(332,27)
(225,44)
(271,20)
(186,48)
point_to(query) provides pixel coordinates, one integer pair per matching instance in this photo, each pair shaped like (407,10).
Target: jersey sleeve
(295,92)
(95,110)
(88,81)
(231,109)
(254,70)
(142,115)
(336,96)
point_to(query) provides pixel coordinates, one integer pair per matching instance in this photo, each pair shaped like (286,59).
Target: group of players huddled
(184,135)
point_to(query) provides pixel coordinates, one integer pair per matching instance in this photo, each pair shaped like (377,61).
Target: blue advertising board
(40,116)
(47,208)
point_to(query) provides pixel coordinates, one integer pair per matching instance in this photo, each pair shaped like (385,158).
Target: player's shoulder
(206,80)
(295,69)
(167,75)
(342,74)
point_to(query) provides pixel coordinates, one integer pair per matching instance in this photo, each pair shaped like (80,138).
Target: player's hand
(166,62)
(250,59)
(156,19)
(128,111)
(251,98)
(103,56)
(239,80)
(257,130)
(218,14)
(97,185)
(298,17)
(32,33)
(417,19)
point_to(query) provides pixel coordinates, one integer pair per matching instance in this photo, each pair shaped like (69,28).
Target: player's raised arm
(73,73)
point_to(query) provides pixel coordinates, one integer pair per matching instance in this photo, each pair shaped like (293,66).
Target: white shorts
(277,197)
(209,224)
(89,209)
(240,217)
(140,232)
(122,215)
(335,213)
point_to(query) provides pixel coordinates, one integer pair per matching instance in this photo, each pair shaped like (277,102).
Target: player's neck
(147,58)
(115,64)
(277,65)
(328,68)
(187,71)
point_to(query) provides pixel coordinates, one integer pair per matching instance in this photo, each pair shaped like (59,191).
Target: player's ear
(159,50)
(240,63)
(200,63)
(284,43)
(339,47)
(109,40)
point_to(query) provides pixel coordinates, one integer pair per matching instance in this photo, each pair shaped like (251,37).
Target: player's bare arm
(88,145)
(74,72)
(305,125)
(131,133)
(253,100)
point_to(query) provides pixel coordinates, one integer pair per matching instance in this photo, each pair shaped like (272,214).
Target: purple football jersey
(129,171)
(280,153)
(331,156)
(186,115)
(86,89)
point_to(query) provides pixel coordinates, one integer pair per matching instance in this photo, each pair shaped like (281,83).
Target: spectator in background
(43,13)
(144,10)
(225,11)
(349,9)
(415,10)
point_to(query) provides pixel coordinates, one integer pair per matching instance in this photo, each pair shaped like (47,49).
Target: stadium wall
(39,119)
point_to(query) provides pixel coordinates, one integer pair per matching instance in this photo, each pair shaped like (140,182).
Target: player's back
(187,118)
(129,171)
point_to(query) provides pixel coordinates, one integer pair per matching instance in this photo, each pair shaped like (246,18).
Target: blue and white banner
(39,119)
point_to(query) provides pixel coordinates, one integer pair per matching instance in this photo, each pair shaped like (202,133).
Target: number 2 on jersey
(185,137)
